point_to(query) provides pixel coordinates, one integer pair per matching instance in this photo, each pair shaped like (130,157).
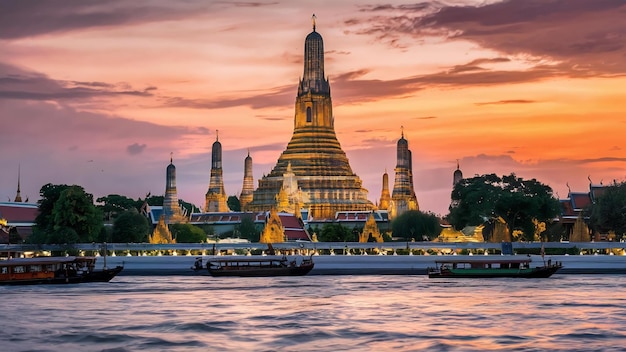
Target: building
(385,196)
(573,216)
(313,172)
(172,213)
(248,184)
(216,196)
(403,197)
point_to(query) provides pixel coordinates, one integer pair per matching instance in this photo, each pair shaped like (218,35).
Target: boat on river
(491,267)
(53,270)
(256,266)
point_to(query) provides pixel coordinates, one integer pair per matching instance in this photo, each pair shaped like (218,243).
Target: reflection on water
(318,313)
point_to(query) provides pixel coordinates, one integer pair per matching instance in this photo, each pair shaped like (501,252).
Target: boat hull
(104,275)
(538,272)
(263,272)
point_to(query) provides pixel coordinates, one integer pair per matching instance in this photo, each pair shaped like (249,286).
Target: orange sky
(99,94)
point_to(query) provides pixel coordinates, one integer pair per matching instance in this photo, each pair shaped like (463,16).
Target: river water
(318,313)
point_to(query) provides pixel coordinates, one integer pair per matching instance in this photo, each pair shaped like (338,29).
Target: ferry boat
(256,266)
(53,270)
(491,267)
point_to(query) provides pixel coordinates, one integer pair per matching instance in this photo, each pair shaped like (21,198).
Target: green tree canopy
(336,233)
(247,228)
(115,204)
(517,201)
(609,212)
(233,203)
(187,233)
(66,215)
(417,225)
(130,226)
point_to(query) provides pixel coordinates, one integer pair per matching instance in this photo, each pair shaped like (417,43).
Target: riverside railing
(335,247)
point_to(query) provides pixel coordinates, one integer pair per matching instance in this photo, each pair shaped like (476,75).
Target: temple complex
(248,184)
(313,172)
(403,197)
(216,197)
(171,209)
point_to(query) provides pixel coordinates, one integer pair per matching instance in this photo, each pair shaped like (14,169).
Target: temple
(245,197)
(171,209)
(403,197)
(216,196)
(313,172)
(385,196)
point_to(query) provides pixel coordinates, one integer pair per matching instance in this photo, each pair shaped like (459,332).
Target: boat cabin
(44,267)
(484,264)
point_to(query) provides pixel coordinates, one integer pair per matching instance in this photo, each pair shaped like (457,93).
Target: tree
(187,233)
(609,212)
(517,201)
(233,203)
(336,233)
(115,204)
(130,226)
(74,210)
(248,229)
(66,215)
(417,225)
(44,222)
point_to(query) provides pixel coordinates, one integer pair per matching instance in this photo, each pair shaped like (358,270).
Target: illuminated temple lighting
(313,172)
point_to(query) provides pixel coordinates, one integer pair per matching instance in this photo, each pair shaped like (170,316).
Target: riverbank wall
(368,264)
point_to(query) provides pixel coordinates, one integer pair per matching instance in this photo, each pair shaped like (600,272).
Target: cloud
(66,15)
(17,83)
(275,97)
(509,101)
(581,35)
(135,148)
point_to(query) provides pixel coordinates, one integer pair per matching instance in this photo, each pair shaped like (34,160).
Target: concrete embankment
(368,264)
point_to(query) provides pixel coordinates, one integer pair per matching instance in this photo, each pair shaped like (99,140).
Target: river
(318,313)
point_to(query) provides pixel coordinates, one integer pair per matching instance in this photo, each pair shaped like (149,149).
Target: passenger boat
(53,270)
(491,267)
(257,266)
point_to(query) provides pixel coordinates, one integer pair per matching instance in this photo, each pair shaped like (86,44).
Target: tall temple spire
(313,80)
(171,209)
(248,183)
(18,196)
(216,196)
(458,175)
(385,197)
(320,177)
(403,197)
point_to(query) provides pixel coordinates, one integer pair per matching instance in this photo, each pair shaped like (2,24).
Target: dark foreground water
(318,313)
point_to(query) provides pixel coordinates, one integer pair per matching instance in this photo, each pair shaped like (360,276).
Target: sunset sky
(100,93)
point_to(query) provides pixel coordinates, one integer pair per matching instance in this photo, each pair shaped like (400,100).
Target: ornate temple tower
(248,184)
(18,196)
(403,197)
(385,196)
(171,209)
(324,181)
(215,196)
(458,175)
